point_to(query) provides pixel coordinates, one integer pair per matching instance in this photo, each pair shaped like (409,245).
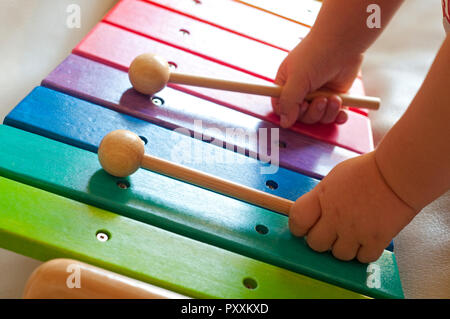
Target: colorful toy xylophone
(56,200)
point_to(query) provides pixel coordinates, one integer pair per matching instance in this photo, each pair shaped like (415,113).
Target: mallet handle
(367,102)
(217,184)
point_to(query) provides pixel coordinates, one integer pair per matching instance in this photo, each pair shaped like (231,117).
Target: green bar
(46,226)
(184,209)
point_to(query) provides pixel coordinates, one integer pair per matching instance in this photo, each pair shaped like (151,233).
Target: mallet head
(149,73)
(120,153)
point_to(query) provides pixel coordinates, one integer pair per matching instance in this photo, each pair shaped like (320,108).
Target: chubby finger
(315,111)
(369,253)
(276,105)
(304,214)
(342,117)
(322,236)
(333,107)
(303,108)
(280,80)
(345,248)
(292,96)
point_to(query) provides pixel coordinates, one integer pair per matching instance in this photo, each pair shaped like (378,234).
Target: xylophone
(58,202)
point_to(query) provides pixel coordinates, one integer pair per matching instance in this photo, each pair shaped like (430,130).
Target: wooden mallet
(121,153)
(150,74)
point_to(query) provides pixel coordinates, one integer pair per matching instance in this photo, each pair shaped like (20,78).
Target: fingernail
(334,104)
(321,105)
(341,118)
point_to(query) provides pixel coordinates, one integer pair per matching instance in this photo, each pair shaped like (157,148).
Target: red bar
(116,47)
(198,38)
(240,19)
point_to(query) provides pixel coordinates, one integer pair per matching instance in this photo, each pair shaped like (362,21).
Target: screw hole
(263,230)
(123,184)
(157,101)
(172,65)
(282,144)
(250,283)
(184,32)
(103,235)
(144,139)
(272,184)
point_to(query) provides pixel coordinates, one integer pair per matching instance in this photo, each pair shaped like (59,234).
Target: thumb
(304,214)
(280,80)
(292,96)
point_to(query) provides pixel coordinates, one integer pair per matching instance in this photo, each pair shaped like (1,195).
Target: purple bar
(107,86)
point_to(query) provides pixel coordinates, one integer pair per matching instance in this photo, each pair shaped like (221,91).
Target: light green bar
(46,226)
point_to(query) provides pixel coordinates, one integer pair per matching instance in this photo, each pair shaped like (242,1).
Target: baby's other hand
(352,212)
(308,67)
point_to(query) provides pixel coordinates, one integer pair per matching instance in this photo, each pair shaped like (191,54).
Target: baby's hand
(352,212)
(309,67)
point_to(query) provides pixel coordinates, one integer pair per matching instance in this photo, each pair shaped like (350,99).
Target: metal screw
(157,101)
(123,185)
(102,237)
